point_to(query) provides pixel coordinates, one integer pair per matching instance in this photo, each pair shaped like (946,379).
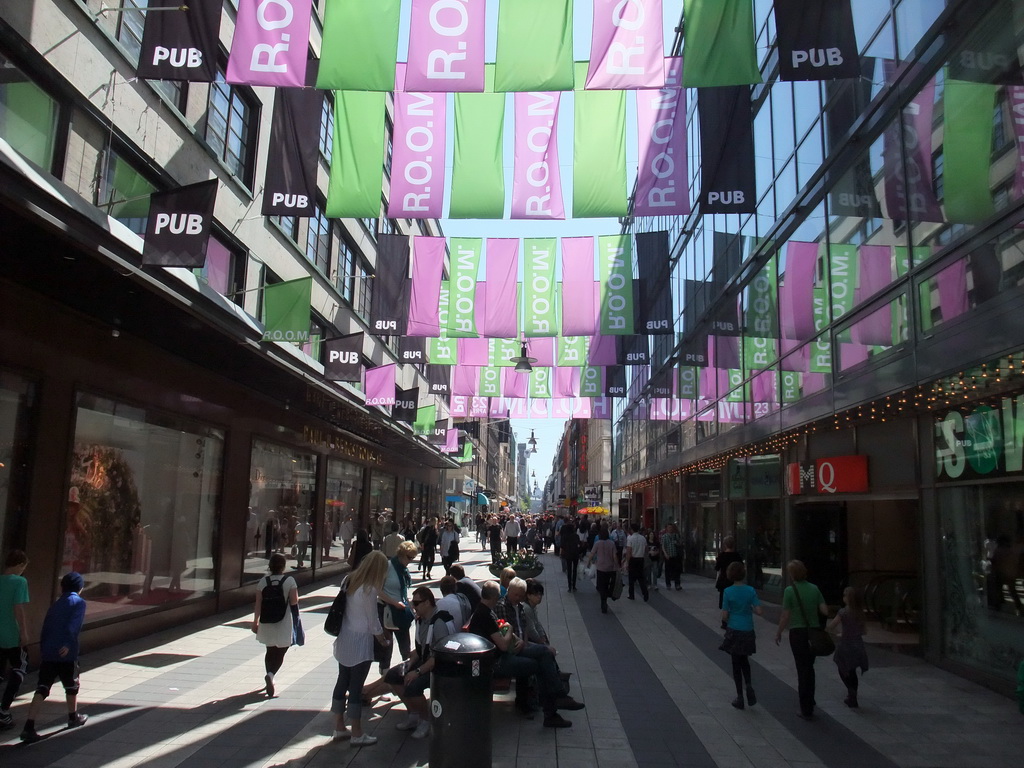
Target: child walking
(739,604)
(58,646)
(850,651)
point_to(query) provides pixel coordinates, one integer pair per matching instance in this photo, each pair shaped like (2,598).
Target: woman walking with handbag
(802,608)
(353,648)
(603,555)
(275,616)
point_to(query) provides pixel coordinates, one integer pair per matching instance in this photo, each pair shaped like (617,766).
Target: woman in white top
(277,636)
(449,546)
(353,649)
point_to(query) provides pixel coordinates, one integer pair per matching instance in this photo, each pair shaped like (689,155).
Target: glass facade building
(873,291)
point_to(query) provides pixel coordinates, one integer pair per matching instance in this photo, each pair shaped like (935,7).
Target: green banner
(737,394)
(591,381)
(821,348)
(490,382)
(719,42)
(789,386)
(286,310)
(465,264)
(599,151)
(467,453)
(762,316)
(967,151)
(130,195)
(355,187)
(360,46)
(539,310)
(534,46)
(442,351)
(615,253)
(425,418)
(540,383)
(478,171)
(687,380)
(572,351)
(501,352)
(758,353)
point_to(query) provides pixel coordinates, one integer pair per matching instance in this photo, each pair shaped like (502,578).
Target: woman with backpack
(277,607)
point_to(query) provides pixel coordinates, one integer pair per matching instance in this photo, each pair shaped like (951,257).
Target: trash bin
(460,701)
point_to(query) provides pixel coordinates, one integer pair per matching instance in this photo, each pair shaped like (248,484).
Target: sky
(547,431)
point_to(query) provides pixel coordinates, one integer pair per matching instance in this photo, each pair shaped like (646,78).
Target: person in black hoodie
(570,550)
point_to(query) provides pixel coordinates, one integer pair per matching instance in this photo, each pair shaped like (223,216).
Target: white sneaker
(422,730)
(408,724)
(363,741)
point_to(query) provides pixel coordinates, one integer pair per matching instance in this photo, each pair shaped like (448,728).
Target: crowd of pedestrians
(384,612)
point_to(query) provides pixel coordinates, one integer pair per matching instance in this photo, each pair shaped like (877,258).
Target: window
(317,333)
(289,225)
(343,279)
(231,120)
(124,192)
(224,270)
(327,128)
(318,240)
(28,116)
(142,503)
(130,24)
(389,226)
(1001,137)
(390,130)
(363,290)
(370,225)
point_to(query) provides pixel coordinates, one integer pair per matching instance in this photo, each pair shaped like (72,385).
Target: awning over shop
(453,497)
(481,499)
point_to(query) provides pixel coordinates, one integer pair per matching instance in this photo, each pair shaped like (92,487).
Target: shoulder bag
(336,615)
(818,640)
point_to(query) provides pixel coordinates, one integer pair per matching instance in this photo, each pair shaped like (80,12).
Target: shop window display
(344,503)
(16,399)
(282,490)
(983,560)
(142,500)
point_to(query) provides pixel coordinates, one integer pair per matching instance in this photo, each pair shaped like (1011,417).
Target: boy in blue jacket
(58,645)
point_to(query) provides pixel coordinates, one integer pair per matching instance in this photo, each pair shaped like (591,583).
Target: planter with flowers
(524,562)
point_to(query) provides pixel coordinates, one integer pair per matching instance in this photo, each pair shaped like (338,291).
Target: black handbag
(819,641)
(335,616)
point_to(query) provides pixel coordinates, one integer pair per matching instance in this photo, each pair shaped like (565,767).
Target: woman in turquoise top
(739,604)
(801,605)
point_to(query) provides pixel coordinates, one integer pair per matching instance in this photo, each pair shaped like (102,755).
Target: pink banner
(536,180)
(1015,95)
(446,46)
(662,183)
(380,385)
(579,309)
(465,379)
(952,285)
(475,352)
(451,443)
(478,407)
(603,350)
(514,384)
(570,408)
(909,192)
(271,43)
(499,318)
(417,162)
(459,407)
(566,382)
(627,48)
(875,274)
(796,292)
(544,350)
(427,268)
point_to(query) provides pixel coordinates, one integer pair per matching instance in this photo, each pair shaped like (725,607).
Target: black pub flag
(727,150)
(654,300)
(289,188)
(180,44)
(816,40)
(406,402)
(440,379)
(412,349)
(389,303)
(178,229)
(342,358)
